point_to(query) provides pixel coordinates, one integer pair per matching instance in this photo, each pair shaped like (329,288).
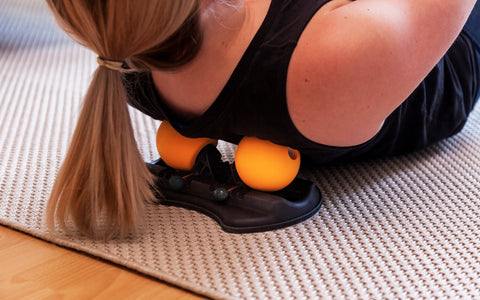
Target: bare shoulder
(357,61)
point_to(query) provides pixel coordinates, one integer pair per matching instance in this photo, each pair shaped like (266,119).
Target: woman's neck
(229,15)
(222,24)
(228,29)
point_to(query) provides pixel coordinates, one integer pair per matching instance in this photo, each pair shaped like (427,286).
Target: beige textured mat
(407,227)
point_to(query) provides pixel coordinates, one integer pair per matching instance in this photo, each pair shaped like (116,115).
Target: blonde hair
(104,183)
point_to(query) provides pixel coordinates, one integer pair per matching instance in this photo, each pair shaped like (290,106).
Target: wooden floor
(34,269)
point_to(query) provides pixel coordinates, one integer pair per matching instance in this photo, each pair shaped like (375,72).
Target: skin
(341,87)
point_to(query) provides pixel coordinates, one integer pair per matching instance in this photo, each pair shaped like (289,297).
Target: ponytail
(103,183)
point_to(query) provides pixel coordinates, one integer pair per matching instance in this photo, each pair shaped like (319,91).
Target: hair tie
(115,65)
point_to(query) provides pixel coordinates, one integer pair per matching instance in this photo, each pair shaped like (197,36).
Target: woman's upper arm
(355,64)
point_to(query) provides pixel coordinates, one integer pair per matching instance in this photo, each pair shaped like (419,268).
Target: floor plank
(34,269)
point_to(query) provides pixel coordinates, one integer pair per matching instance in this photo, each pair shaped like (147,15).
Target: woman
(337,80)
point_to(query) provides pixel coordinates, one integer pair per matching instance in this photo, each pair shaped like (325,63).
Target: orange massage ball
(265,166)
(177,151)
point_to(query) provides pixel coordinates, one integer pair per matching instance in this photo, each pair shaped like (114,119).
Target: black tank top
(253,102)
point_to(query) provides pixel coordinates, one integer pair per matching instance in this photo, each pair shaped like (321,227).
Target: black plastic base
(214,189)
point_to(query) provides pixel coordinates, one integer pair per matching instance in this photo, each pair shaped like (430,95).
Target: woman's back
(353,65)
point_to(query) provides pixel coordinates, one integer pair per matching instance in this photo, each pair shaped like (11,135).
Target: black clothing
(472,27)
(253,102)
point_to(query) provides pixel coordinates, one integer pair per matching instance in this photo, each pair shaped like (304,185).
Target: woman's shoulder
(357,62)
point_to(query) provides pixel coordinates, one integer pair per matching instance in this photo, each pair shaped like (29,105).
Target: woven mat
(406,227)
